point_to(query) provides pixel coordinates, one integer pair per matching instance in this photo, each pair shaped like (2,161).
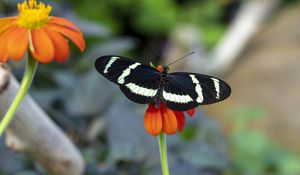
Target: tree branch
(247,22)
(33,132)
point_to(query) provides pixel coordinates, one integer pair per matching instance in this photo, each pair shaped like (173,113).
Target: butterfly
(143,84)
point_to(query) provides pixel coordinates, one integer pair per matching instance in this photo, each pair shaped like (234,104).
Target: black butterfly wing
(137,81)
(184,91)
(142,91)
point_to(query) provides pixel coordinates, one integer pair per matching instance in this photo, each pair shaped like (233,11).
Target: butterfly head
(162,69)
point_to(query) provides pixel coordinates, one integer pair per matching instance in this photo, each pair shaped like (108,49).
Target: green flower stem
(27,79)
(163,153)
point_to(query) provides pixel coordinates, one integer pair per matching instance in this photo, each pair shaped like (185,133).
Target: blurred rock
(208,150)
(10,163)
(89,28)
(116,46)
(47,97)
(27,173)
(126,135)
(91,94)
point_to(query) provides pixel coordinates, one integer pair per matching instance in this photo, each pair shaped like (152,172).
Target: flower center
(33,15)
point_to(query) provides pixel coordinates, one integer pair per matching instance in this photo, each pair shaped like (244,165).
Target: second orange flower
(35,30)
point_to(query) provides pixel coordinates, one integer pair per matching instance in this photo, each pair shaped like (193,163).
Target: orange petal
(3,44)
(180,119)
(17,43)
(43,46)
(61,47)
(153,120)
(169,120)
(3,53)
(191,112)
(63,22)
(75,37)
(5,23)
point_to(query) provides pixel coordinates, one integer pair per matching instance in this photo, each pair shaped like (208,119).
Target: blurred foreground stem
(163,153)
(27,79)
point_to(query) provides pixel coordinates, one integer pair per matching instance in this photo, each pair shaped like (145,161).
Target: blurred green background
(233,138)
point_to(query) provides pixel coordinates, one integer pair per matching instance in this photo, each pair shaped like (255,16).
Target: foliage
(290,2)
(253,152)
(150,18)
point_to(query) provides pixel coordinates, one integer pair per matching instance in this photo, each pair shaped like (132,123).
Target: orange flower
(163,119)
(35,30)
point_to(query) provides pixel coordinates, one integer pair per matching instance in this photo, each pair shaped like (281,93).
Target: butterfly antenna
(181,58)
(155,51)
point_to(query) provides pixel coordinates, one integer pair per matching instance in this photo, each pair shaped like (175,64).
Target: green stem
(163,153)
(27,78)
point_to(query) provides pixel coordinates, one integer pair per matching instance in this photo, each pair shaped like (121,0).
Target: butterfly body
(143,84)
(163,79)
